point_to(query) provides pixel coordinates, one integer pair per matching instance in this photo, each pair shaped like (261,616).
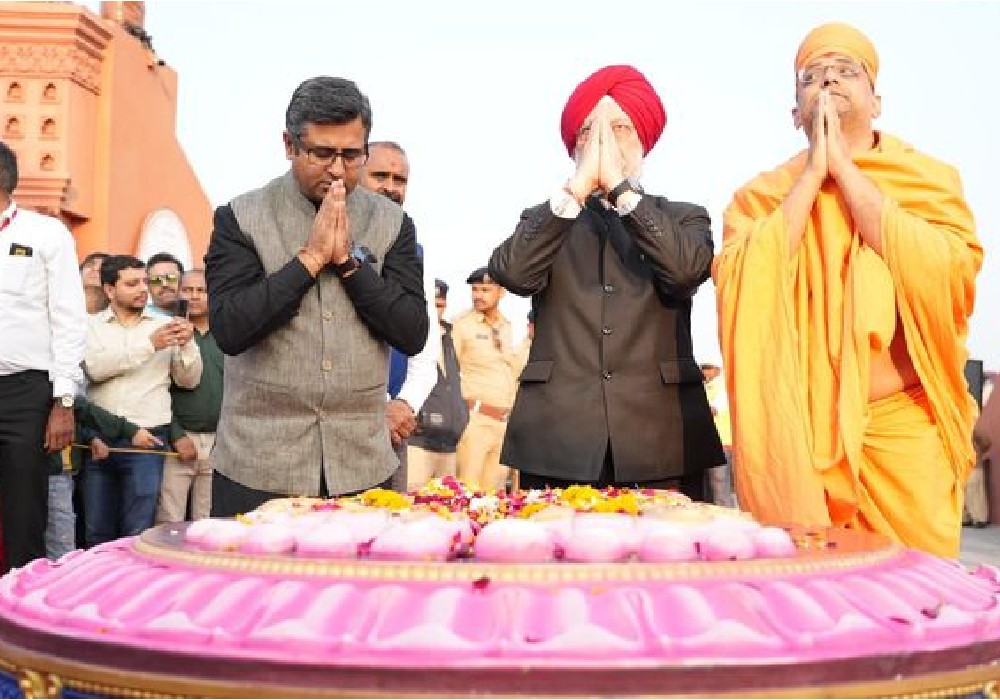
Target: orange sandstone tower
(91,110)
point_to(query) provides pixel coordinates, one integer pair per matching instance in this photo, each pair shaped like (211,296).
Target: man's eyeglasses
(326,156)
(846,70)
(168,278)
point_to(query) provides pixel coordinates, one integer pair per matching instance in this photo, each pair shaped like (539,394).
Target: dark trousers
(398,480)
(691,485)
(230,498)
(121,492)
(25,404)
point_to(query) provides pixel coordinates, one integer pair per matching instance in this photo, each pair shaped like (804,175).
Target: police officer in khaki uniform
(484,347)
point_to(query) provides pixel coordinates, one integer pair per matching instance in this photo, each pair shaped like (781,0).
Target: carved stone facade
(89,110)
(34,121)
(52,61)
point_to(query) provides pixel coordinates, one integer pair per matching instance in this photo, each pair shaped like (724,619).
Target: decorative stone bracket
(45,194)
(52,61)
(57,42)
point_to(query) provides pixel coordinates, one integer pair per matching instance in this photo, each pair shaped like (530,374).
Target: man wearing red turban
(631,92)
(611,393)
(845,284)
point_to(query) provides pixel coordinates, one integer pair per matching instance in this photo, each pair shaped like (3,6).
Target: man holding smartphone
(195,415)
(164,273)
(131,358)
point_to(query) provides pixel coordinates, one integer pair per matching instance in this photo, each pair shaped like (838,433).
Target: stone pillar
(123,13)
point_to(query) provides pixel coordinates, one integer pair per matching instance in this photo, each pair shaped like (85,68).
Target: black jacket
(612,357)
(444,415)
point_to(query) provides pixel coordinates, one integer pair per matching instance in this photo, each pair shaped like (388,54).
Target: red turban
(633,93)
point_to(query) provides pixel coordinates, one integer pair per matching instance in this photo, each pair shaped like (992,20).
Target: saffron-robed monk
(845,285)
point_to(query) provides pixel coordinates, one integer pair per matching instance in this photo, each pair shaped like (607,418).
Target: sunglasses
(164,279)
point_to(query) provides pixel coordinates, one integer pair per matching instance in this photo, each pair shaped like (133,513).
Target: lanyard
(6,222)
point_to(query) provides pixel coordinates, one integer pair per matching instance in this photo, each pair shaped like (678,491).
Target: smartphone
(182,308)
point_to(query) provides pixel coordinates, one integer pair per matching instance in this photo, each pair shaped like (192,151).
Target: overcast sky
(474,90)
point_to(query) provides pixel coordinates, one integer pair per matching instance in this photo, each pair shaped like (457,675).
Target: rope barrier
(132,450)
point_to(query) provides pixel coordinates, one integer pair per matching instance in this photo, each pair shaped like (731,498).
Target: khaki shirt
(487,373)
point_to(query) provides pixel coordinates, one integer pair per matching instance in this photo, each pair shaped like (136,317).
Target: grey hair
(326,100)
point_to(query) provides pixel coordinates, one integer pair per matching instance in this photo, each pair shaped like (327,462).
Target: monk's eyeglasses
(846,70)
(326,156)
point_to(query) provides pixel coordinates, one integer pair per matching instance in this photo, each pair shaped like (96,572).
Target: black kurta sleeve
(393,305)
(522,262)
(676,238)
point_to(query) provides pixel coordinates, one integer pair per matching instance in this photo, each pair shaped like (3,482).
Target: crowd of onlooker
(146,422)
(314,288)
(151,401)
(152,392)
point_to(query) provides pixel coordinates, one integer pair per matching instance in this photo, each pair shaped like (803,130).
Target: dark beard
(170,306)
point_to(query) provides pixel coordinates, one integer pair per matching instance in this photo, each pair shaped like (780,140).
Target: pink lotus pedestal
(850,615)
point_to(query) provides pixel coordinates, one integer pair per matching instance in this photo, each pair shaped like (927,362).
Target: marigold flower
(384,498)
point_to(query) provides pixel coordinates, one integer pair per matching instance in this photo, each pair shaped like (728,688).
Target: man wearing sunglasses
(311,279)
(132,357)
(845,285)
(164,271)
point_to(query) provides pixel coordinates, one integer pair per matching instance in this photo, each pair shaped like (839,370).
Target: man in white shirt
(387,171)
(43,321)
(131,356)
(431,451)
(404,405)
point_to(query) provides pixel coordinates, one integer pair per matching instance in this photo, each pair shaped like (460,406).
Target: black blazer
(612,356)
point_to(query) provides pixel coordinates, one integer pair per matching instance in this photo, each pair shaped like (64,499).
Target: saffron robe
(797,334)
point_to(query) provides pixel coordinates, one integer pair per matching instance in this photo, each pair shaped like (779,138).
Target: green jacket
(198,409)
(91,421)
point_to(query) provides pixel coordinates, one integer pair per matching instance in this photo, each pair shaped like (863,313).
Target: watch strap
(618,190)
(346,267)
